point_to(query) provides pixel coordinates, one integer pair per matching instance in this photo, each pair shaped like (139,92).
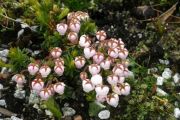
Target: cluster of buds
(73,26)
(105,56)
(40,72)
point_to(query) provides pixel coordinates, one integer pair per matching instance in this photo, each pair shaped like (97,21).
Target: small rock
(3,70)
(48,113)
(19,94)
(20,33)
(1,87)
(68,111)
(160,80)
(36,52)
(77,117)
(4,53)
(33,98)
(176,78)
(104,114)
(140,35)
(4,59)
(3,103)
(161,92)
(165,62)
(167,73)
(15,118)
(177,113)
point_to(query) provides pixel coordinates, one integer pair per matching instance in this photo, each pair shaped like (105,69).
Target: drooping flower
(45,93)
(113,99)
(59,88)
(79,62)
(101,35)
(61,28)
(87,85)
(102,90)
(33,68)
(59,69)
(89,52)
(56,52)
(94,69)
(37,84)
(44,71)
(96,79)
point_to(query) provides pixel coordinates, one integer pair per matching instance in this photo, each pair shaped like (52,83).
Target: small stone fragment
(104,114)
(176,78)
(68,111)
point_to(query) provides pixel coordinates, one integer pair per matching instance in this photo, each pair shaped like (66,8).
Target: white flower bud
(96,79)
(33,68)
(74,26)
(87,85)
(45,93)
(19,79)
(98,57)
(112,79)
(112,53)
(89,52)
(105,64)
(121,80)
(113,100)
(122,89)
(37,84)
(84,41)
(61,28)
(45,71)
(102,90)
(59,61)
(101,35)
(94,69)
(56,52)
(59,87)
(59,69)
(79,62)
(118,70)
(73,37)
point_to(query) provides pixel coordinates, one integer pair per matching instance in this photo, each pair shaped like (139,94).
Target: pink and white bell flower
(106,64)
(33,68)
(73,37)
(112,79)
(123,53)
(19,79)
(101,35)
(102,90)
(79,62)
(122,89)
(87,85)
(101,98)
(45,94)
(113,99)
(118,70)
(74,26)
(121,79)
(112,43)
(59,69)
(94,69)
(83,75)
(98,57)
(61,28)
(37,84)
(89,52)
(44,71)
(84,41)
(59,88)
(59,61)
(112,53)
(56,52)
(96,79)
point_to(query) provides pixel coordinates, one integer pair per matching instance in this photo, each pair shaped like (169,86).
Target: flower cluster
(42,72)
(103,56)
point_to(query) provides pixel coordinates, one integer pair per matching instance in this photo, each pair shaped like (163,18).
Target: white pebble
(48,113)
(1,87)
(161,92)
(104,114)
(19,94)
(3,70)
(4,53)
(3,103)
(176,78)
(15,118)
(4,59)
(167,73)
(33,98)
(177,113)
(68,111)
(165,62)
(160,80)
